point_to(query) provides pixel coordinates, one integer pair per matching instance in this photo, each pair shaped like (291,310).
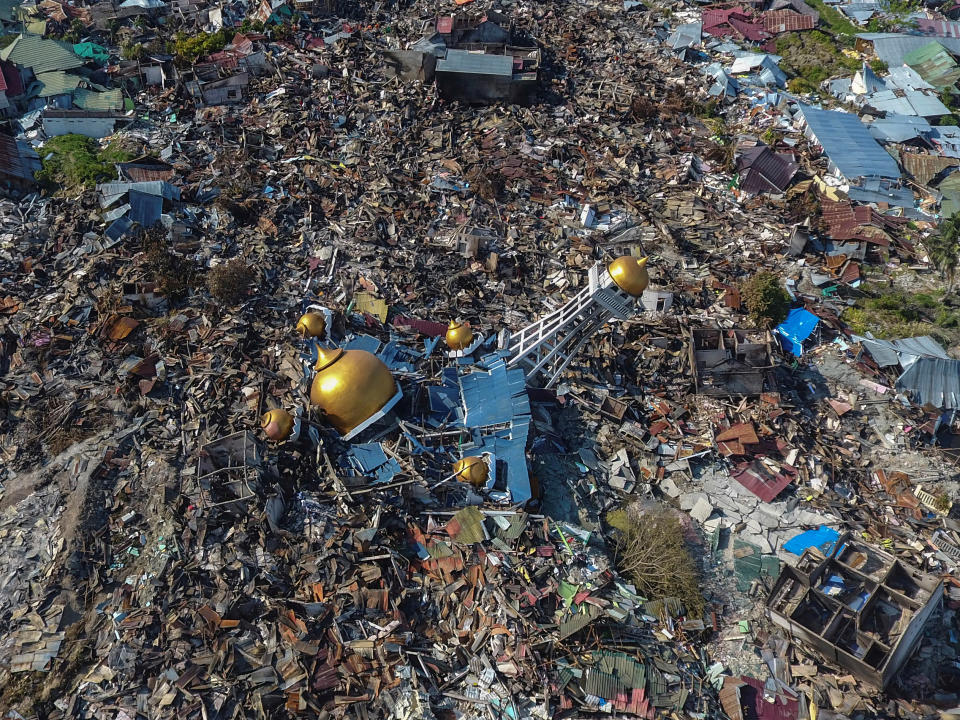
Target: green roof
(934,64)
(56,82)
(93,100)
(950,189)
(92,51)
(42,55)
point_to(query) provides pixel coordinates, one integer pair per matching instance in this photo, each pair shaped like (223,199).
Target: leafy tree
(767,301)
(943,249)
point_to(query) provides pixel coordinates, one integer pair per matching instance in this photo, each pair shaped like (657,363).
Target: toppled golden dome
(312,324)
(630,274)
(277,424)
(350,386)
(459,335)
(471,470)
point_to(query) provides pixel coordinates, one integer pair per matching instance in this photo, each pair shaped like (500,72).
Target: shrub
(652,553)
(230,281)
(132,51)
(174,274)
(767,301)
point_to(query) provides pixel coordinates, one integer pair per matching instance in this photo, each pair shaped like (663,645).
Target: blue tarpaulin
(798,326)
(822,538)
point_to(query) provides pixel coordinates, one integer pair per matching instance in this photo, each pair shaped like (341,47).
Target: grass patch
(812,57)
(652,553)
(897,314)
(72,161)
(835,21)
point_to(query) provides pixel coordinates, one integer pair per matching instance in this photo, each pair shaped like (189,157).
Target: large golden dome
(459,335)
(350,386)
(630,274)
(471,470)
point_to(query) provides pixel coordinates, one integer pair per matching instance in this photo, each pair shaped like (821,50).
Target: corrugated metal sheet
(905,77)
(933,381)
(764,171)
(40,54)
(887,353)
(937,28)
(924,168)
(934,64)
(17,159)
(909,102)
(56,82)
(93,100)
(892,48)
(898,128)
(461,61)
(778,21)
(848,144)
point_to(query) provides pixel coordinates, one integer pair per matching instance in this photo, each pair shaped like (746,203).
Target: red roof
(3,82)
(445,24)
(733,21)
(778,21)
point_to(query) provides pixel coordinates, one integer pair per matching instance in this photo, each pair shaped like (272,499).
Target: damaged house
(861,608)
(730,362)
(475,60)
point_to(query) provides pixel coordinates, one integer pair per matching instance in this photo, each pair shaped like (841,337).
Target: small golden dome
(459,335)
(277,424)
(630,274)
(350,386)
(471,470)
(312,324)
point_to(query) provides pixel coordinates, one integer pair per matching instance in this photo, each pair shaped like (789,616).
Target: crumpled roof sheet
(887,353)
(849,144)
(762,170)
(924,168)
(17,159)
(934,381)
(891,48)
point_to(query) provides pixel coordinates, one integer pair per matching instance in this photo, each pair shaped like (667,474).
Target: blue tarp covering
(798,326)
(849,144)
(822,538)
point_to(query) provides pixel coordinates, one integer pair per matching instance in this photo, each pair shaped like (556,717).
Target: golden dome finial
(312,325)
(630,274)
(459,335)
(350,387)
(327,357)
(471,470)
(277,424)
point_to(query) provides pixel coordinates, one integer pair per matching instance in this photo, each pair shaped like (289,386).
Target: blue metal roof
(798,326)
(891,48)
(461,61)
(933,381)
(849,144)
(898,128)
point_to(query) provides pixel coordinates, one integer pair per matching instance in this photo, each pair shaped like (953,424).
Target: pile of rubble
(318,391)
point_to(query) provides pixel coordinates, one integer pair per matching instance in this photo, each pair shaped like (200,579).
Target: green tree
(943,249)
(767,301)
(70,161)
